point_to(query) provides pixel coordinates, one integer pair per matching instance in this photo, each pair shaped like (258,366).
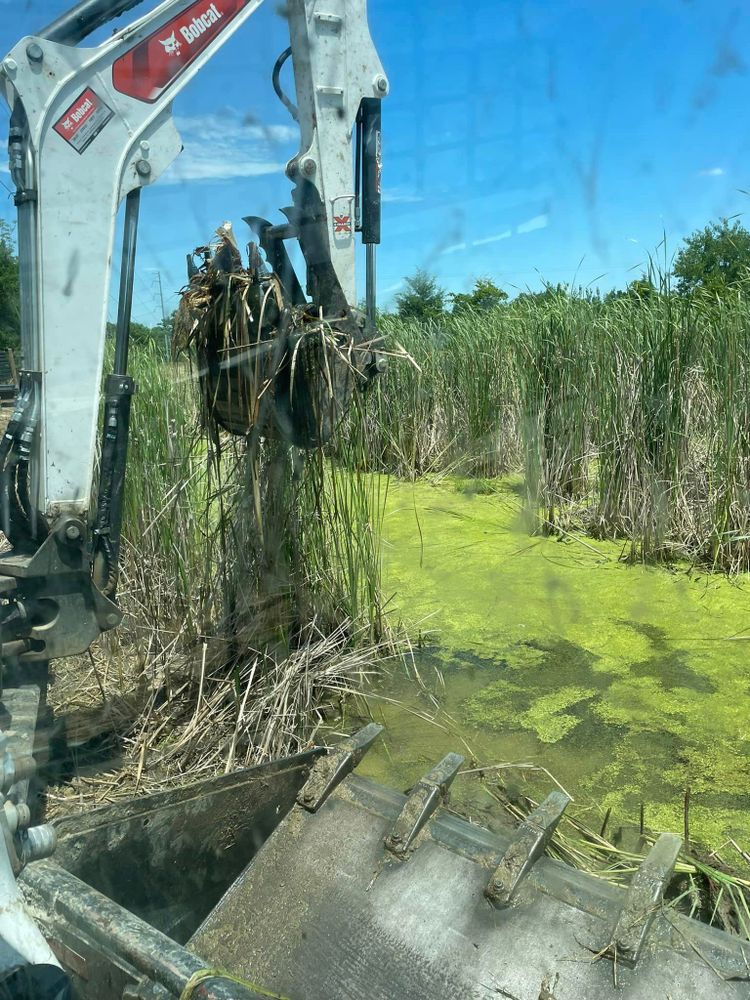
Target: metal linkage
(423,800)
(331,770)
(101,929)
(22,842)
(527,847)
(14,767)
(645,893)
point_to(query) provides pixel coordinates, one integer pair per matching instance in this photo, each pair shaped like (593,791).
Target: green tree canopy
(642,288)
(549,293)
(422,299)
(163,332)
(10,322)
(715,259)
(485,295)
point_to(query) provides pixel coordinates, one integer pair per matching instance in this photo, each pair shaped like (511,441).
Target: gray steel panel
(323,913)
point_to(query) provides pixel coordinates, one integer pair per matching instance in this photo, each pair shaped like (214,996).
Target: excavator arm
(91,128)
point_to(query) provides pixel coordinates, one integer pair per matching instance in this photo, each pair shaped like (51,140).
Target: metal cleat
(422,802)
(330,771)
(529,844)
(645,893)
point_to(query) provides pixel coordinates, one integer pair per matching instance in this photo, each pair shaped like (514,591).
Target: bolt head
(382,84)
(72,532)
(34,52)
(143,168)
(10,65)
(308,166)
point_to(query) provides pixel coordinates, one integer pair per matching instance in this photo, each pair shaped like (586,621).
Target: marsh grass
(251,589)
(630,418)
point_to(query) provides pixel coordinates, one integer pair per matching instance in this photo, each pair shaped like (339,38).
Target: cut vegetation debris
(705,886)
(184,717)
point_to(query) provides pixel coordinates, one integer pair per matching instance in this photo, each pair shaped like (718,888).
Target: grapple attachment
(270,363)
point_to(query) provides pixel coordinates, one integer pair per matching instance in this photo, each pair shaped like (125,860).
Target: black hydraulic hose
(127,280)
(22,492)
(275,80)
(75,24)
(119,390)
(14,460)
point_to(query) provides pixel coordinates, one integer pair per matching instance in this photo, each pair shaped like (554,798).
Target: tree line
(713,261)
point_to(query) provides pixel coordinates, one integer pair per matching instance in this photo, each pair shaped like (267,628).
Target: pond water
(628,683)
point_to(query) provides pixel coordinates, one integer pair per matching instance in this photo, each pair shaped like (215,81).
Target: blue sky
(526,140)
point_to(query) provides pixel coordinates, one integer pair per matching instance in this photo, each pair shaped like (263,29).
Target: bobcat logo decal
(171,45)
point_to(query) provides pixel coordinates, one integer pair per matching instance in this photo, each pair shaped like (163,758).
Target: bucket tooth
(527,847)
(645,893)
(421,803)
(330,771)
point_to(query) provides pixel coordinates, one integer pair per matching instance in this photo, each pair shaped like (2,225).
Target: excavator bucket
(301,879)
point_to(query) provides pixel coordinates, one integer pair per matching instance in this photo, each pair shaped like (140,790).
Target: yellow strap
(204,974)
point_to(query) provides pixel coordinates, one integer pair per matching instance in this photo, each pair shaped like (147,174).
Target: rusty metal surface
(341,921)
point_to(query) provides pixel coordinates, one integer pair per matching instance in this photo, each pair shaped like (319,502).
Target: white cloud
(712,172)
(493,239)
(402,197)
(455,248)
(231,126)
(204,165)
(227,145)
(538,222)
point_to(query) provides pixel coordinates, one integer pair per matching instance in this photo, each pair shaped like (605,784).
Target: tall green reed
(240,545)
(629,418)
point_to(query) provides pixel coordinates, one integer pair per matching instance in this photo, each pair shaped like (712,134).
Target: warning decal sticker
(82,122)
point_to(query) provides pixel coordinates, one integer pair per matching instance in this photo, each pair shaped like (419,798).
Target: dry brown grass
(137,725)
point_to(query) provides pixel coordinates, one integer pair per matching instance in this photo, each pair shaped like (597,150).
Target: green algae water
(628,683)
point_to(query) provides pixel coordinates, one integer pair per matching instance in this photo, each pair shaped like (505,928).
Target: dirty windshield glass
(374,500)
